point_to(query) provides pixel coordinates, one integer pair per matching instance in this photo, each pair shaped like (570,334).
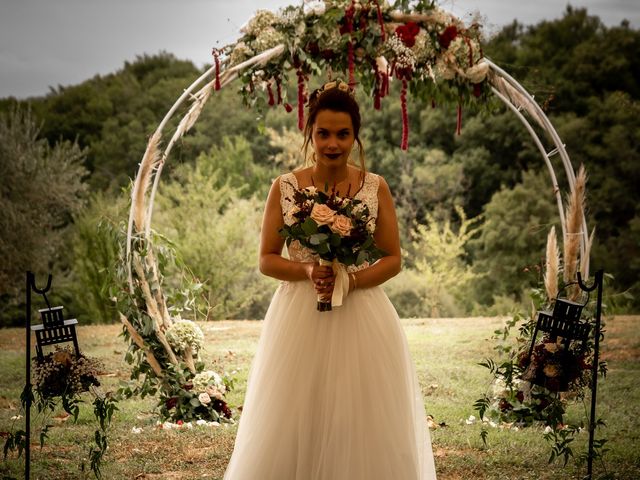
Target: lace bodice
(368,194)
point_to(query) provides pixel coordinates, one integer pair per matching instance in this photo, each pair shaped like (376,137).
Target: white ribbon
(341,283)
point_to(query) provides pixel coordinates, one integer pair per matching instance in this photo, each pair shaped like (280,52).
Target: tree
(512,239)
(42,188)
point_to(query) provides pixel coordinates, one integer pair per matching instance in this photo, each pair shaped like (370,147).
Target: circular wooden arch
(145,186)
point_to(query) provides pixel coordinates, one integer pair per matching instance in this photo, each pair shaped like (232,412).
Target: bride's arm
(271,243)
(387,238)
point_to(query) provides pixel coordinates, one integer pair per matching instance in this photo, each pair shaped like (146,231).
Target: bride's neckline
(361,180)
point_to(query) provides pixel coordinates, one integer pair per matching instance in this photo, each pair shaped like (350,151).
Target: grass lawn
(445,351)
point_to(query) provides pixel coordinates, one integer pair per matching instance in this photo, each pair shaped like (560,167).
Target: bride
(331,395)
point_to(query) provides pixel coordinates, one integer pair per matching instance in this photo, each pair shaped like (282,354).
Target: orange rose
(322,214)
(341,225)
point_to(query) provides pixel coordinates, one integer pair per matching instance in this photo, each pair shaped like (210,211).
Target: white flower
(204,398)
(311,190)
(240,53)
(314,7)
(478,72)
(471,420)
(268,38)
(201,422)
(261,20)
(136,430)
(423,48)
(443,71)
(183,334)
(548,429)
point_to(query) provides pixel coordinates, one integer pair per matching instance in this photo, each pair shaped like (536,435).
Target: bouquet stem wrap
(340,286)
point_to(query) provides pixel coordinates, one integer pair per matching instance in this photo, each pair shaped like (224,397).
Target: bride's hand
(322,278)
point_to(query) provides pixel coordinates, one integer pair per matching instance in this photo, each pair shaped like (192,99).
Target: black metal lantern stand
(565,321)
(53,330)
(597,285)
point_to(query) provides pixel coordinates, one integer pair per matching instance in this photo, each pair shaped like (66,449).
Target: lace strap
(288,182)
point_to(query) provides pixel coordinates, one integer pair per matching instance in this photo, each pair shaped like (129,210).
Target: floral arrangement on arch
(198,397)
(430,51)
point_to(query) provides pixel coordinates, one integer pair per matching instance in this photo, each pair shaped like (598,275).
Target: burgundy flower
(408,33)
(327,54)
(448,36)
(520,396)
(504,405)
(222,407)
(553,384)
(171,402)
(312,48)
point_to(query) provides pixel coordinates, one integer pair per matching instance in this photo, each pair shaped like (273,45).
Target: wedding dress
(331,395)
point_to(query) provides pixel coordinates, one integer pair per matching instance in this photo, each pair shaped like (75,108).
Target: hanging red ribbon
(270,92)
(301,85)
(404,145)
(216,61)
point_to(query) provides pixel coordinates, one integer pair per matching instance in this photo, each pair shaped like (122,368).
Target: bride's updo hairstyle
(336,96)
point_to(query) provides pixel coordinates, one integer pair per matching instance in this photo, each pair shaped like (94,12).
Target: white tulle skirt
(332,395)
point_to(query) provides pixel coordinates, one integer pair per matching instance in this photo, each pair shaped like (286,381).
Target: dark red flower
(171,402)
(520,396)
(408,33)
(312,48)
(327,54)
(448,36)
(553,384)
(504,405)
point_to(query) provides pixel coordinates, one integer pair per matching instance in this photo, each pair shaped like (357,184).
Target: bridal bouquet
(337,229)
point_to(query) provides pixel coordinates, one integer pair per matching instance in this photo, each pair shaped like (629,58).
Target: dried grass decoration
(63,374)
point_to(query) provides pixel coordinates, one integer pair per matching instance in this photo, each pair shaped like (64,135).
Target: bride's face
(332,138)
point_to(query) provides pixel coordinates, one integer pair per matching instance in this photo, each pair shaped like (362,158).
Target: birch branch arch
(444,65)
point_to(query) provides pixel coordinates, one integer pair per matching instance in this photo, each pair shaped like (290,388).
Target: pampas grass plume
(149,161)
(552,266)
(574,215)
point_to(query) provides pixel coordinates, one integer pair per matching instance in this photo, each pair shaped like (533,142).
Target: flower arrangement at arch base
(185,390)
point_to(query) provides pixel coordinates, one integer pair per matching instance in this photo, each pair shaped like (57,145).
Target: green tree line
(474,209)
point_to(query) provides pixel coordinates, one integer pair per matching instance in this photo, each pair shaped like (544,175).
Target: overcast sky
(47,43)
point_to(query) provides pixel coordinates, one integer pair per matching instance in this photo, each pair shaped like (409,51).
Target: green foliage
(94,252)
(512,238)
(436,279)
(41,189)
(218,232)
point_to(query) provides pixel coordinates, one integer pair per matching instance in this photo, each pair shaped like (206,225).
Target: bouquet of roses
(337,229)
